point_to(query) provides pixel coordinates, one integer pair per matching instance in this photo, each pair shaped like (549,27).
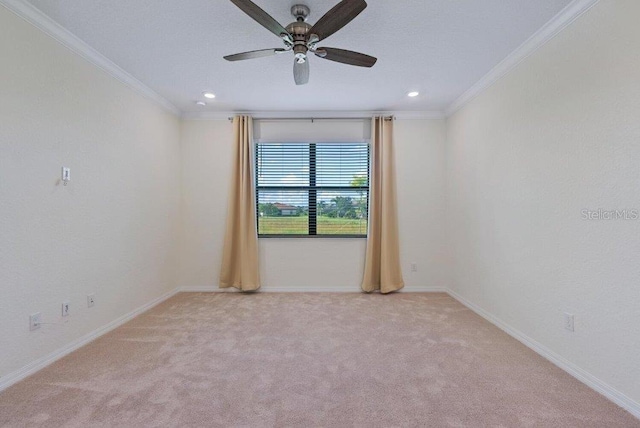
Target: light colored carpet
(307,360)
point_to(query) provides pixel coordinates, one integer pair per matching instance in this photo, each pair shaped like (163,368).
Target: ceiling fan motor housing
(299,30)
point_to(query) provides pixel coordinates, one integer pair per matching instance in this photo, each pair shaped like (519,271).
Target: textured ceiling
(438,47)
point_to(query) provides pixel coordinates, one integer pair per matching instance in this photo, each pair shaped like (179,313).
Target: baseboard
(206,289)
(43,362)
(312,289)
(588,379)
(423,289)
(583,376)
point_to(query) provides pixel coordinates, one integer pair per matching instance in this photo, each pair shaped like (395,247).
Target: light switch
(66,175)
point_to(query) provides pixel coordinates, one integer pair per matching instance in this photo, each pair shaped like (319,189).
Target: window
(317,189)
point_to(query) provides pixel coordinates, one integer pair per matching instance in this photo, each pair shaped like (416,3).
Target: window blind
(312,189)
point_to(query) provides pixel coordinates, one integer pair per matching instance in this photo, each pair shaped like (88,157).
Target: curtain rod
(312,119)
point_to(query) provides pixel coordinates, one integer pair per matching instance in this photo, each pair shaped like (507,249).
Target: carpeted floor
(306,360)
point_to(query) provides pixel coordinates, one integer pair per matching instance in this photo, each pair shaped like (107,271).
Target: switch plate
(91,300)
(66,175)
(65,309)
(414,267)
(569,322)
(34,321)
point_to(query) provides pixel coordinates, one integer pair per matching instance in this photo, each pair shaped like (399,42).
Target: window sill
(312,236)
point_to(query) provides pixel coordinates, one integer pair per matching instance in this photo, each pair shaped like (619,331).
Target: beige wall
(112,230)
(558,135)
(320,264)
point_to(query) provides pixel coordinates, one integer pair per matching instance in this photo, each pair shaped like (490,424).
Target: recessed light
(201,103)
(209,95)
(413,94)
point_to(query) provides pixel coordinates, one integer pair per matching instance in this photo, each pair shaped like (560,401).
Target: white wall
(558,135)
(111,230)
(334,264)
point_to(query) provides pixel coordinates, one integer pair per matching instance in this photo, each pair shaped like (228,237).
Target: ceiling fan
(302,38)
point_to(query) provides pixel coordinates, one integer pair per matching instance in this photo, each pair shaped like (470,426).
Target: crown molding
(54,30)
(564,18)
(225,115)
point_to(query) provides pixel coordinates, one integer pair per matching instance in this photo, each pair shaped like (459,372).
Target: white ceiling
(438,47)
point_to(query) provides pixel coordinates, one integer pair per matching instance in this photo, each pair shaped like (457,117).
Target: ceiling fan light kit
(302,38)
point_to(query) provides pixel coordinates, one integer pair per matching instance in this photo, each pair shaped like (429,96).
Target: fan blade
(254,54)
(346,57)
(301,72)
(341,14)
(260,16)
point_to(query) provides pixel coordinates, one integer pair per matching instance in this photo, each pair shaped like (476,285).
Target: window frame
(312,190)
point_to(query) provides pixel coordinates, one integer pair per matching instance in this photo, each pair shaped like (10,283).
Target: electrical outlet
(65,309)
(91,300)
(414,267)
(569,322)
(35,320)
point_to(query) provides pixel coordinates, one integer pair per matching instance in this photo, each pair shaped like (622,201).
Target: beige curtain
(240,254)
(382,266)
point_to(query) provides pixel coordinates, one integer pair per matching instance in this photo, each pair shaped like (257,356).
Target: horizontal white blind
(288,165)
(312,189)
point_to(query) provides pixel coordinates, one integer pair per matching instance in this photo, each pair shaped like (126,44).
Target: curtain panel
(382,265)
(240,267)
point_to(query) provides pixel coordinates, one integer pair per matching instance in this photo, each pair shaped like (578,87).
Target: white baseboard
(583,376)
(303,289)
(206,289)
(43,362)
(588,379)
(423,289)
(313,289)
